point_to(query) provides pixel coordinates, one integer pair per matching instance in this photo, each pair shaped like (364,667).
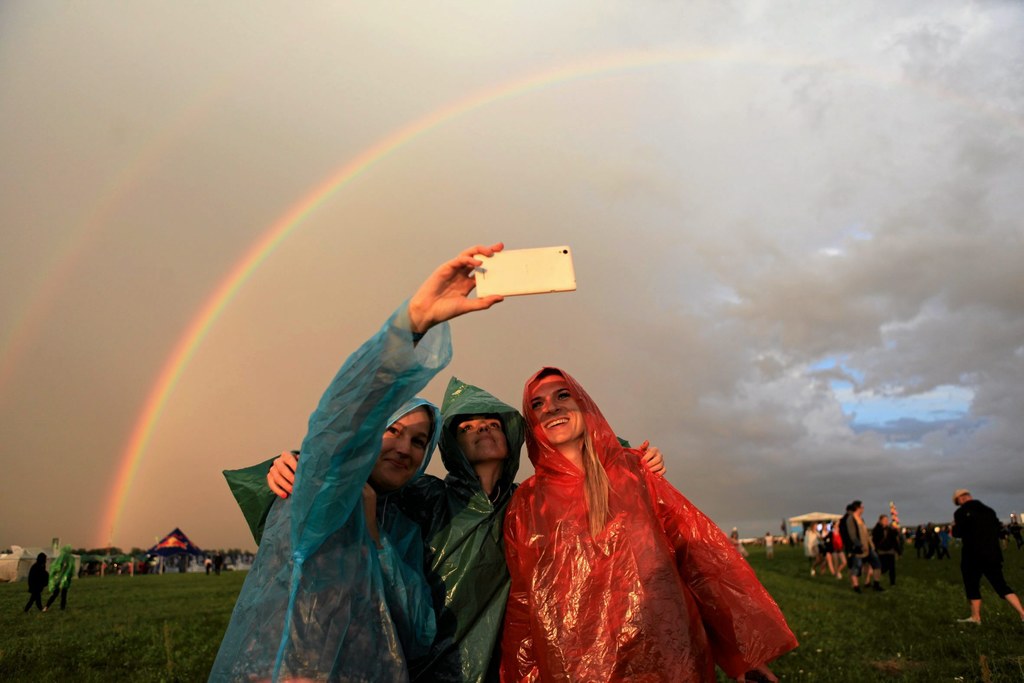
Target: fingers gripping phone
(526,271)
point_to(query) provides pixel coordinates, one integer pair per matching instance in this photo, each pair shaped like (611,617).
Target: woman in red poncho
(615,575)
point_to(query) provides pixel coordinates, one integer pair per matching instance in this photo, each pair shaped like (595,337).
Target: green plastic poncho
(463,526)
(465,550)
(62,570)
(321,600)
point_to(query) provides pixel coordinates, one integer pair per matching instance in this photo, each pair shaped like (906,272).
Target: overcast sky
(797,233)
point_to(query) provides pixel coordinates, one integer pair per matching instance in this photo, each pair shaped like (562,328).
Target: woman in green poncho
(61,571)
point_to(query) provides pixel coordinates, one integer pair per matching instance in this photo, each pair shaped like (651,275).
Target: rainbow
(58,270)
(274,235)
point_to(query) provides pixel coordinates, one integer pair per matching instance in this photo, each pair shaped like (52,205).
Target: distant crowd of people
(932,541)
(868,555)
(848,544)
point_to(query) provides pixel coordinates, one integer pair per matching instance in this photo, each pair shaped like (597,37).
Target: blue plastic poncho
(321,600)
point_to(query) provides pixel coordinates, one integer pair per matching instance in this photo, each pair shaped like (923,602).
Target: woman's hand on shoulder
(281,476)
(652,459)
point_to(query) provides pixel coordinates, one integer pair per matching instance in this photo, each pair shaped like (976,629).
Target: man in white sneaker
(977,525)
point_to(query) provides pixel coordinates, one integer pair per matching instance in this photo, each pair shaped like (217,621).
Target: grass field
(168,628)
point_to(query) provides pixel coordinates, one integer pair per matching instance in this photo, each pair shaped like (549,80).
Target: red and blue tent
(175,543)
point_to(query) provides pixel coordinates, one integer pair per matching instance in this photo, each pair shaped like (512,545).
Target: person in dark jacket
(38,579)
(888,546)
(858,546)
(1014,528)
(978,527)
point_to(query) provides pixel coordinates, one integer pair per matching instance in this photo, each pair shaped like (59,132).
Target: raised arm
(375,381)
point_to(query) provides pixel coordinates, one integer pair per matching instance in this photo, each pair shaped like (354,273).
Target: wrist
(418,322)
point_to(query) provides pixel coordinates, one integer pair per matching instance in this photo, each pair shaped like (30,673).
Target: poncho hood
(464,400)
(542,454)
(435,432)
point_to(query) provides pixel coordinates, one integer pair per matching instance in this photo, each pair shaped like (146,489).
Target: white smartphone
(526,271)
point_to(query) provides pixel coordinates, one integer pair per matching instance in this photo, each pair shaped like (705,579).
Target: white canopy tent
(14,565)
(800,523)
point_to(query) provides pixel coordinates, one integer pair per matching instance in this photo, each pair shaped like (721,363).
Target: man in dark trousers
(858,547)
(38,578)
(887,543)
(977,525)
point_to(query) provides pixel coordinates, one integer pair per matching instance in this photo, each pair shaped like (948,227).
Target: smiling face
(481,439)
(402,450)
(557,412)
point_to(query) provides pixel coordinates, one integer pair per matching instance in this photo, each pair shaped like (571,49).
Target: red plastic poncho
(659,595)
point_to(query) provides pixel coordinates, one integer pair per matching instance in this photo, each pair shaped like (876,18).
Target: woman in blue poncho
(337,590)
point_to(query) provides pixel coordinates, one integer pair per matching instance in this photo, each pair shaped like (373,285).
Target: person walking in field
(38,578)
(63,569)
(811,548)
(887,543)
(858,546)
(769,545)
(1014,529)
(832,548)
(734,537)
(977,525)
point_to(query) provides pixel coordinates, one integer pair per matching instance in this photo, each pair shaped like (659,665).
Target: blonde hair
(595,487)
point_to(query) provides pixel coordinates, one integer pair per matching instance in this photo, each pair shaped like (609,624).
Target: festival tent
(15,565)
(175,543)
(799,523)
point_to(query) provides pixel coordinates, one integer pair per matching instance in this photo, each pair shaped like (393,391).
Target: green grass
(142,628)
(168,628)
(907,633)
